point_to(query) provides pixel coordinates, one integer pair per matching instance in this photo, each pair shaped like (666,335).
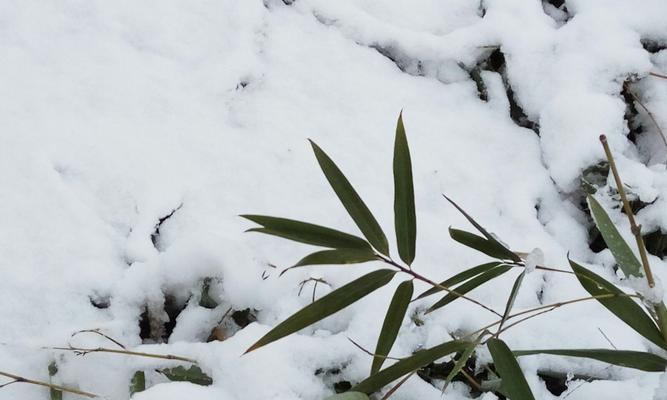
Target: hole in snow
(653,46)
(557,10)
(155,236)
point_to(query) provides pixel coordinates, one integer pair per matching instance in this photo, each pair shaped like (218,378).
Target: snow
(115,114)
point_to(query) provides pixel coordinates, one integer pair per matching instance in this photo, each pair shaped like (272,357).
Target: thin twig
(370,353)
(548,308)
(98,332)
(391,391)
(20,379)
(658,75)
(607,338)
(83,352)
(432,283)
(648,112)
(471,380)
(636,229)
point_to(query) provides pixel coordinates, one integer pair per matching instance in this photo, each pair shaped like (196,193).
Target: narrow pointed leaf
(511,299)
(460,277)
(407,365)
(620,305)
(631,359)
(489,247)
(304,232)
(461,362)
(336,257)
(352,202)
(622,252)
(509,254)
(392,323)
(469,285)
(404,196)
(513,381)
(327,305)
(348,396)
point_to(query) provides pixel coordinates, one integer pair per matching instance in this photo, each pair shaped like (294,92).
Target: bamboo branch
(433,283)
(636,229)
(84,351)
(20,379)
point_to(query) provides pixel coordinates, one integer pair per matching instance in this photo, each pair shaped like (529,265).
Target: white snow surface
(114,114)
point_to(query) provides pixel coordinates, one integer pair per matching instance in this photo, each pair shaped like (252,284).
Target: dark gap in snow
(342,386)
(653,46)
(100,302)
(173,308)
(557,10)
(144,326)
(495,62)
(243,318)
(242,84)
(632,117)
(481,9)
(155,236)
(405,64)
(656,243)
(556,385)
(332,377)
(438,372)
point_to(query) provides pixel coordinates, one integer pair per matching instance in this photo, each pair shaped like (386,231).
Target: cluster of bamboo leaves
(344,248)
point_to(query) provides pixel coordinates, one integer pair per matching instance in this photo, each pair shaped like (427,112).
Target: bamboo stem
(20,379)
(83,352)
(636,229)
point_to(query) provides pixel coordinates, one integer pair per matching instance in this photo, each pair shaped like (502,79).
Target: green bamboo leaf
(407,365)
(509,254)
(514,382)
(488,247)
(511,299)
(631,359)
(193,374)
(348,396)
(304,232)
(461,362)
(335,257)
(460,277)
(352,202)
(54,394)
(327,305)
(622,252)
(404,196)
(392,323)
(138,383)
(469,285)
(619,304)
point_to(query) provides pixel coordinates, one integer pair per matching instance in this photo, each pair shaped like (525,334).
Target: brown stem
(471,380)
(658,75)
(432,283)
(391,391)
(636,229)
(548,308)
(20,379)
(83,352)
(370,353)
(98,332)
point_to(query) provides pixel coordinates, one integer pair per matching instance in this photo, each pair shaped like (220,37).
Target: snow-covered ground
(114,114)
